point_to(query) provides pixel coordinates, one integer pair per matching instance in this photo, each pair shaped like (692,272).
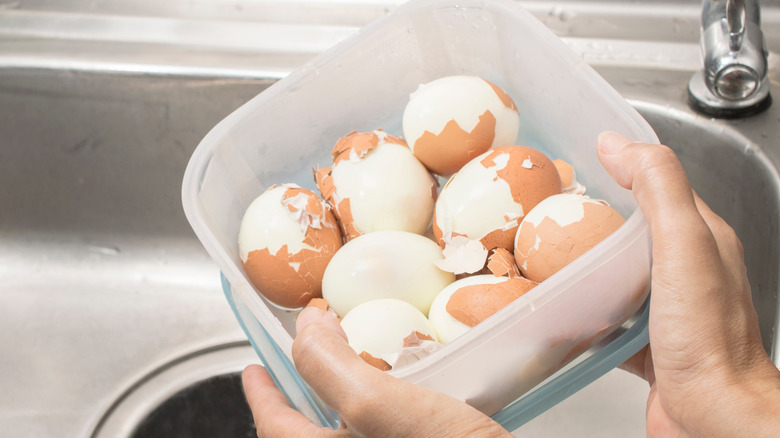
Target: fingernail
(307,316)
(611,142)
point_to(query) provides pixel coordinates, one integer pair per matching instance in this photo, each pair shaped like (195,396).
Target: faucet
(734,80)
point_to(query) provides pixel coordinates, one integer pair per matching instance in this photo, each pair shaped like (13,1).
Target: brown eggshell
(475,303)
(447,152)
(292,280)
(542,250)
(531,178)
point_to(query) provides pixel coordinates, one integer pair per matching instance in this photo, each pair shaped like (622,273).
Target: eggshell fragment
(470,300)
(490,195)
(453,119)
(384,264)
(380,327)
(569,183)
(286,239)
(501,263)
(560,229)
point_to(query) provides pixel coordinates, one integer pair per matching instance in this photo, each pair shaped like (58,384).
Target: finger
(327,363)
(728,243)
(640,365)
(682,241)
(273,415)
(372,402)
(657,179)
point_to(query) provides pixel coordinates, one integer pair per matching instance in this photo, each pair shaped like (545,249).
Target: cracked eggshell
(376,183)
(379,327)
(385,264)
(569,183)
(489,196)
(560,229)
(286,239)
(453,119)
(469,301)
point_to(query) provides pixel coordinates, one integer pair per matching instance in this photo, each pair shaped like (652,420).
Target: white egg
(446,326)
(378,184)
(451,120)
(379,327)
(384,264)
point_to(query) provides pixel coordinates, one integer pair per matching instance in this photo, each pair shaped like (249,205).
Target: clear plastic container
(569,330)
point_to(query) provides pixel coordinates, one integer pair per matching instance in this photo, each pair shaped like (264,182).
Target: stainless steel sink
(109,306)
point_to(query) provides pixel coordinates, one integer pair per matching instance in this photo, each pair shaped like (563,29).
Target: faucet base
(702,100)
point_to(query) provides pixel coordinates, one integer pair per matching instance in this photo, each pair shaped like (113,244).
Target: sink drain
(196,395)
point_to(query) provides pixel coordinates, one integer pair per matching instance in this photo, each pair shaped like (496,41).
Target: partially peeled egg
(481,206)
(560,229)
(469,301)
(376,184)
(286,239)
(453,119)
(381,330)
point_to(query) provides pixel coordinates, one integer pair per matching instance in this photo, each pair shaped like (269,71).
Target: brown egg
(486,200)
(469,301)
(560,229)
(453,119)
(287,237)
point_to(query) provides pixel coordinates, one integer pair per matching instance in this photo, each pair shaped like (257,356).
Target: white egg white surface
(388,189)
(475,201)
(379,326)
(462,99)
(384,264)
(268,224)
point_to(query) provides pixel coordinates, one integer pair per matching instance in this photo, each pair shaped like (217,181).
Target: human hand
(370,402)
(708,372)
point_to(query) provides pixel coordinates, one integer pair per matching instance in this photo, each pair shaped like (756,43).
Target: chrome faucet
(734,80)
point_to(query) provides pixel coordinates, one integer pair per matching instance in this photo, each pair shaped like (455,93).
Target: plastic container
(364,83)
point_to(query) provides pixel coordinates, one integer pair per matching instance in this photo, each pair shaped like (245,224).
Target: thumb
(661,189)
(327,363)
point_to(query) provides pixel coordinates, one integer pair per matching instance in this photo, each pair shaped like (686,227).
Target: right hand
(708,371)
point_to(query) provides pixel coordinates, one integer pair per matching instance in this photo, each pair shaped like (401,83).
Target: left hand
(370,402)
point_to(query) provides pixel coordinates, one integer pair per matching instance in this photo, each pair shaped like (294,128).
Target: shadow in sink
(734,177)
(209,408)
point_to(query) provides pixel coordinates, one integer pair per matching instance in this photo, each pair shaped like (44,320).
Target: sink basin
(107,289)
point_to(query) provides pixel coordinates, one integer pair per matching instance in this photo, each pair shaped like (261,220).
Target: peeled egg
(453,119)
(286,239)
(384,264)
(382,327)
(560,229)
(486,200)
(375,183)
(469,301)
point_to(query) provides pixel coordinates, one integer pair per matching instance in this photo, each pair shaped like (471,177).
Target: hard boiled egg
(560,229)
(469,301)
(286,239)
(378,330)
(486,200)
(384,264)
(453,119)
(375,183)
